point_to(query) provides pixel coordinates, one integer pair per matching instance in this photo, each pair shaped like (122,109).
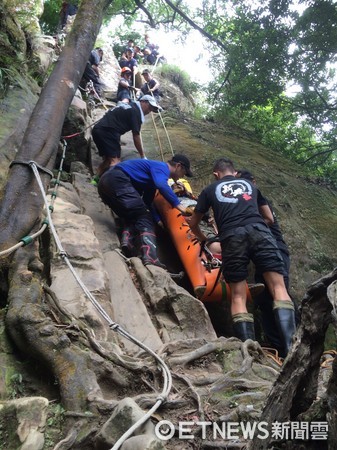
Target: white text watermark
(165,430)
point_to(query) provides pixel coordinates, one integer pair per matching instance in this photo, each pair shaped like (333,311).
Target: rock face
(27,417)
(156,312)
(124,416)
(214,378)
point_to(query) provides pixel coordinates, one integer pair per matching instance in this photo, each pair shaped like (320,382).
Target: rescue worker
(244,236)
(128,189)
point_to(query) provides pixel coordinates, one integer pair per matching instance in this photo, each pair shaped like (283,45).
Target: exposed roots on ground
(212,380)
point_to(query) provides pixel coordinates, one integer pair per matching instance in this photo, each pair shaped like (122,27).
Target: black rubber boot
(244,330)
(148,249)
(128,241)
(285,320)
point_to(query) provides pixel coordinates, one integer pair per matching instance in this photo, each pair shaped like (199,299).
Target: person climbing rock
(125,87)
(116,122)
(151,85)
(244,236)
(91,71)
(264,301)
(128,189)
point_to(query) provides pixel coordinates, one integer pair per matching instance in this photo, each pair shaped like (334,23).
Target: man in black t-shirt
(244,236)
(264,300)
(116,122)
(269,216)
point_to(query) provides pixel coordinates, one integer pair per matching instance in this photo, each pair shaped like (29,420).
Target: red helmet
(126,69)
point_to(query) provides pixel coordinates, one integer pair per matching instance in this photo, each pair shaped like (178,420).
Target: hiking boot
(243,326)
(244,330)
(285,320)
(148,249)
(128,241)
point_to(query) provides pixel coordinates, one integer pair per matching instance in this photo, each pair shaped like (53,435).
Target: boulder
(27,417)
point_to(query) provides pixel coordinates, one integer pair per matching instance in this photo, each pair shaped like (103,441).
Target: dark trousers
(116,190)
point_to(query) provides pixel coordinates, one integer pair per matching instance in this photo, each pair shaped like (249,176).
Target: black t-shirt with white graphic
(234,203)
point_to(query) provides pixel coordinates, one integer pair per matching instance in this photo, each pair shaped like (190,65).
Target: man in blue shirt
(128,189)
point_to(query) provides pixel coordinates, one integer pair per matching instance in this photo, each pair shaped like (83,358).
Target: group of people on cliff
(247,226)
(128,188)
(147,54)
(127,87)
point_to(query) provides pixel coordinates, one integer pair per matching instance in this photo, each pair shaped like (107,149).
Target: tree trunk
(295,389)
(27,320)
(20,206)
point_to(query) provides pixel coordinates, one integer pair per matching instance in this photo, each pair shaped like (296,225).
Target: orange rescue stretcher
(207,283)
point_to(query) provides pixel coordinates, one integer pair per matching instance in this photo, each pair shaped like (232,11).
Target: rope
(29,163)
(80,132)
(28,239)
(167,135)
(159,141)
(24,241)
(167,378)
(161,117)
(155,65)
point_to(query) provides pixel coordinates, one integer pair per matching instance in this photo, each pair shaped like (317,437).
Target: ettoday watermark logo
(166,430)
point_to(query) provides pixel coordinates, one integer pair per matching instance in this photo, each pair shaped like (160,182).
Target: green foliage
(55,422)
(16,386)
(270,45)
(6,75)
(180,78)
(50,18)
(256,54)
(120,39)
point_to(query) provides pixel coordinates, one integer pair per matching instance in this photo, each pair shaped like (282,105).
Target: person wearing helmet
(124,86)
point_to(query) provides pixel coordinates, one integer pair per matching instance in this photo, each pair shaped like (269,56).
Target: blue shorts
(253,242)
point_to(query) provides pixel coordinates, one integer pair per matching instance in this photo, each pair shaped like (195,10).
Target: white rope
(29,238)
(167,377)
(166,132)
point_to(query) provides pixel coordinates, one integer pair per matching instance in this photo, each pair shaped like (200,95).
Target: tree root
(295,389)
(194,393)
(36,334)
(221,344)
(69,440)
